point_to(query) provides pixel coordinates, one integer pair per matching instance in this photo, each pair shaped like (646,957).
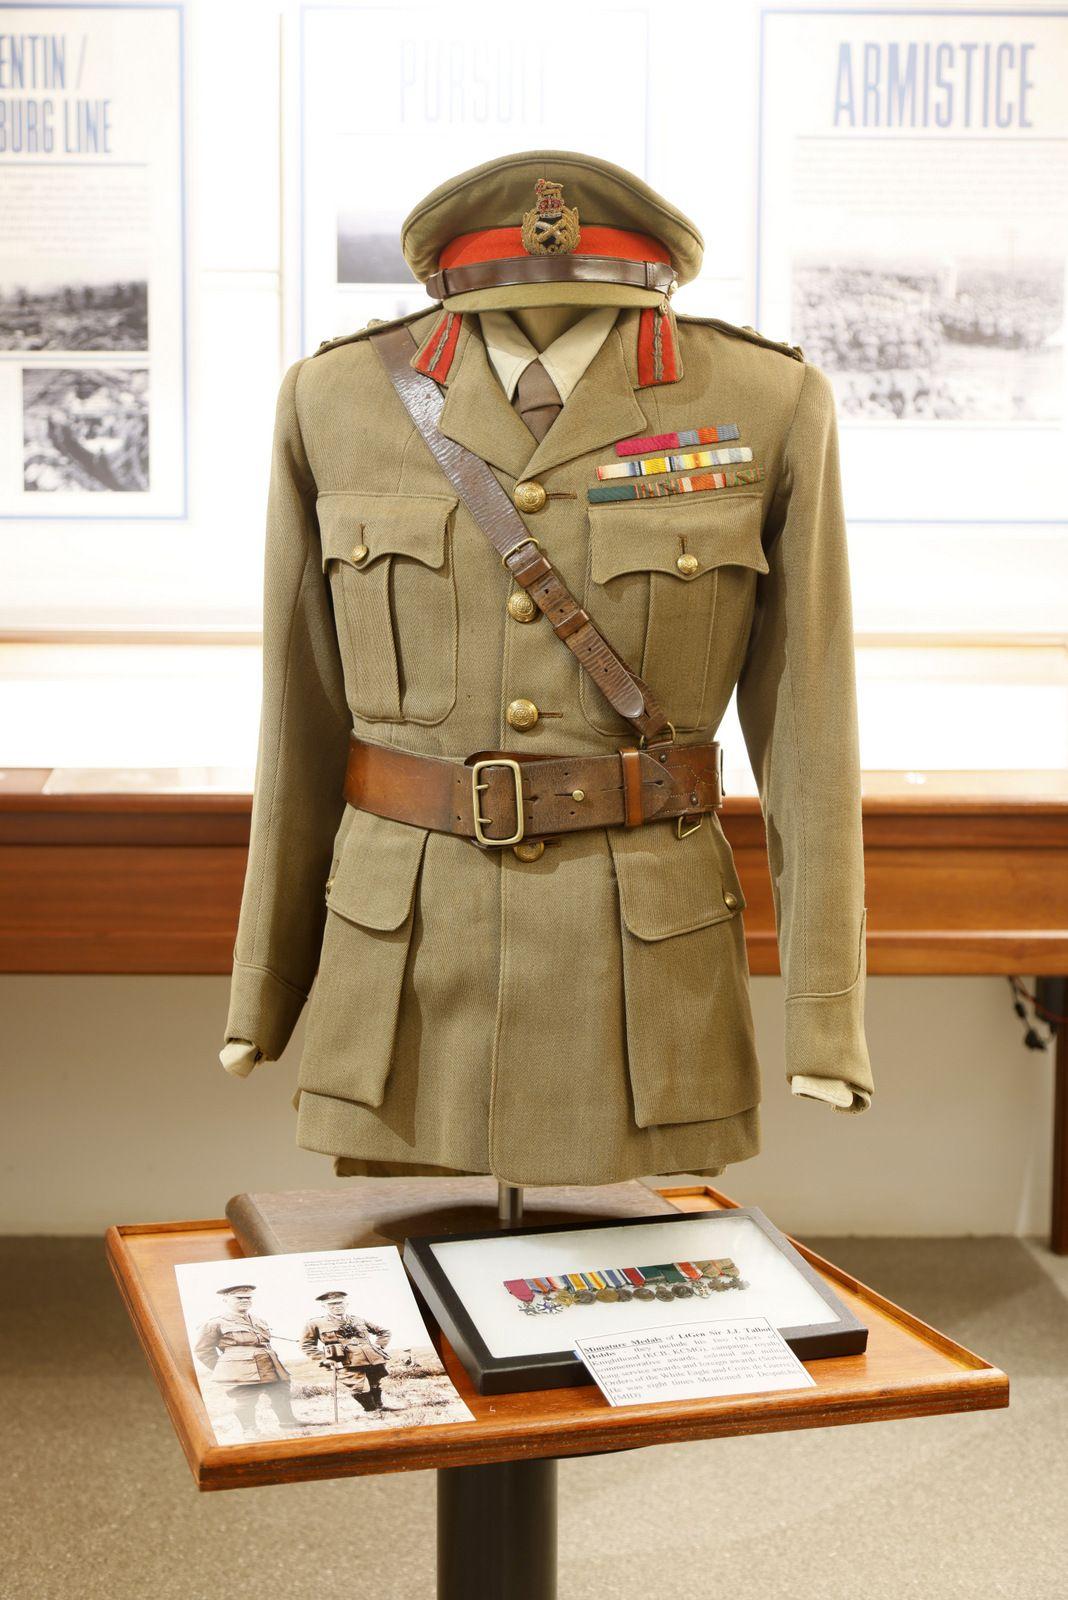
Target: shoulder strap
(499,520)
(744,331)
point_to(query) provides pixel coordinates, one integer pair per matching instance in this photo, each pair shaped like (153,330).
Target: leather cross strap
(499,520)
(496,797)
(550,269)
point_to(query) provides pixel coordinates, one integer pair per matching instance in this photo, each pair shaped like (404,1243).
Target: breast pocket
(671,583)
(389,561)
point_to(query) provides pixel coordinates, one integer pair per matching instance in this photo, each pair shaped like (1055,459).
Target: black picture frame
(557,1369)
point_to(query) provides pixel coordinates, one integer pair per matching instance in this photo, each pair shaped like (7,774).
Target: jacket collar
(602,407)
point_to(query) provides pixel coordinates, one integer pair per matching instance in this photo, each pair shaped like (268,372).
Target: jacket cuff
(825,1039)
(263,1008)
(834,1091)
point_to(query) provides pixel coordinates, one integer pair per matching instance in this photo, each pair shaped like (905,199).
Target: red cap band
(502,244)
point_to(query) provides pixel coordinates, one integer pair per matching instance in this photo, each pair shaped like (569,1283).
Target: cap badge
(551,228)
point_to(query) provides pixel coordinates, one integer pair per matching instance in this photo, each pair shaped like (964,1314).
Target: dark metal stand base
(497,1532)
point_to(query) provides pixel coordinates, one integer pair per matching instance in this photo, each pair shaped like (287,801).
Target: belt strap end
(632,786)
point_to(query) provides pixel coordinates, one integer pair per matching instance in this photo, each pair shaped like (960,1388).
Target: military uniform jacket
(585,1017)
(363,1341)
(238,1350)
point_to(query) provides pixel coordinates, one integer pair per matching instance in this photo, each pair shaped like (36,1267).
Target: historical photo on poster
(935,341)
(85,428)
(92,261)
(294,1346)
(913,240)
(445,94)
(73,315)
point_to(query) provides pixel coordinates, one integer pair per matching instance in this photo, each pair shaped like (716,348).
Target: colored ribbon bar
(688,485)
(683,463)
(671,441)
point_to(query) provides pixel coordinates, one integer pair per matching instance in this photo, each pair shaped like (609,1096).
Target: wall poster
(92,285)
(391,101)
(912,236)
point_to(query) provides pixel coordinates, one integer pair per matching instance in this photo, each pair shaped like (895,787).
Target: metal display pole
(509,1205)
(497,1531)
(497,1524)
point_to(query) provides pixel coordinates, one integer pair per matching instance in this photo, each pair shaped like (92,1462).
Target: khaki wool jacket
(585,1017)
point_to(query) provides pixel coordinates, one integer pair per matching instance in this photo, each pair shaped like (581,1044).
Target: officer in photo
(236,1348)
(352,1345)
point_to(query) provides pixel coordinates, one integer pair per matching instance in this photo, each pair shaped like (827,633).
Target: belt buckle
(476,788)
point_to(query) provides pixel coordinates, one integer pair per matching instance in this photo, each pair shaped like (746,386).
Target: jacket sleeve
(303,745)
(206,1348)
(797,707)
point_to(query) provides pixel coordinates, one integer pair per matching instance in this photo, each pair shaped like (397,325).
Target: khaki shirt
(445,1030)
(565,359)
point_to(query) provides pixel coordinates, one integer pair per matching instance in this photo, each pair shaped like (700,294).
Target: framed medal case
(513,1302)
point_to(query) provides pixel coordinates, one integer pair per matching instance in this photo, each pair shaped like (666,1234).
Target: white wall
(116,1110)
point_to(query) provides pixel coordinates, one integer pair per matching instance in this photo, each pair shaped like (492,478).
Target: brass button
(521,607)
(730,900)
(529,849)
(578,794)
(522,714)
(529,496)
(688,565)
(359,551)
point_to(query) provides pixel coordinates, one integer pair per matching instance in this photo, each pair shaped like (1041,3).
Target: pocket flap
(669,885)
(388,524)
(720,527)
(374,880)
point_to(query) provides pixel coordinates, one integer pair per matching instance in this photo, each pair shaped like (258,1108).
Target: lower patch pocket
(690,1045)
(352,1018)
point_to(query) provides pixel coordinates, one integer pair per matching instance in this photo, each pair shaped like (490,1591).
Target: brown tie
(537,399)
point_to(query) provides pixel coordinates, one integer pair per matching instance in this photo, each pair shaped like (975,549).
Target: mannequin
(543,324)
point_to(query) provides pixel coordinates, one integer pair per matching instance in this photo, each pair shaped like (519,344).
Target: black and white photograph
(934,340)
(85,428)
(302,1345)
(367,247)
(74,314)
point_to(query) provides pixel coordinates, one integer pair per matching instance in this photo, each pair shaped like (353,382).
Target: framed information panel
(512,1303)
(912,237)
(92,262)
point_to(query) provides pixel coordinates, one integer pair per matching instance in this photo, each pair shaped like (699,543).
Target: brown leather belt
(549,269)
(497,797)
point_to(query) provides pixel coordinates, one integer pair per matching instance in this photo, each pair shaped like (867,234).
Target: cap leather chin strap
(518,270)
